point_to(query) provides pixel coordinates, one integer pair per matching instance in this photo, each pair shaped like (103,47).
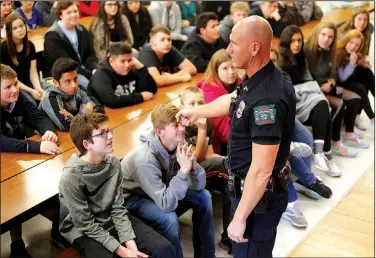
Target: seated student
(121,80)
(48,11)
(349,56)
(221,78)
(109,25)
(309,10)
(269,11)
(67,38)
(31,15)
(162,180)
(307,182)
(362,72)
(200,136)
(92,215)
(238,11)
(163,60)
(289,13)
(204,42)
(167,13)
(19,53)
(140,22)
(64,100)
(321,54)
(189,11)
(5,10)
(88,8)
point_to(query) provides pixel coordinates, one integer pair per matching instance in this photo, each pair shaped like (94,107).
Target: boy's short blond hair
(239,7)
(190,89)
(7,72)
(163,114)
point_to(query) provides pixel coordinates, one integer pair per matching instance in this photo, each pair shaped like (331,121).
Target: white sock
(291,205)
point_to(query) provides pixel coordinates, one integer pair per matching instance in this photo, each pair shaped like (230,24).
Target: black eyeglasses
(104,133)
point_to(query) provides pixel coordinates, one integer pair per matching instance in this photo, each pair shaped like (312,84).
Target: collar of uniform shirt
(260,75)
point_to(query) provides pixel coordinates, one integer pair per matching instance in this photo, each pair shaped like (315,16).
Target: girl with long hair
(349,49)
(140,21)
(19,53)
(312,107)
(5,10)
(321,52)
(363,72)
(221,78)
(109,25)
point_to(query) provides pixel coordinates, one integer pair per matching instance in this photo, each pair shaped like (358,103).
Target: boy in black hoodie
(203,43)
(121,80)
(17,113)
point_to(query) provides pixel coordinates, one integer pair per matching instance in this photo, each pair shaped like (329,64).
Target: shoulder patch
(264,114)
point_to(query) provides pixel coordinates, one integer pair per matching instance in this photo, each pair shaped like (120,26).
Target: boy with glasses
(92,215)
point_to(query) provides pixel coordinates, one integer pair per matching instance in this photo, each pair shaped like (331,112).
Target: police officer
(262,112)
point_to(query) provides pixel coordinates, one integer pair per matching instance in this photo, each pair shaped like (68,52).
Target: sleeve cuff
(182,175)
(33,147)
(112,245)
(138,98)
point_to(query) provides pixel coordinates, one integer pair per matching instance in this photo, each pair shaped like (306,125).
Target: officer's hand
(185,116)
(236,230)
(184,157)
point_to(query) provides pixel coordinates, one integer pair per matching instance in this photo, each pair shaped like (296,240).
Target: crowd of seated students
(130,51)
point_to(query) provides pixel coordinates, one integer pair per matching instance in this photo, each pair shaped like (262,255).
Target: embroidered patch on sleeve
(264,114)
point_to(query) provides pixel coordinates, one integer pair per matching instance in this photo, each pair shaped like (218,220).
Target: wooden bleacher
(29,180)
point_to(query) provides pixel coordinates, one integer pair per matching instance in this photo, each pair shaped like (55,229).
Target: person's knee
(204,200)
(170,223)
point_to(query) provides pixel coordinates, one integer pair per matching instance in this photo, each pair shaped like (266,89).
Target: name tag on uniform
(264,114)
(239,111)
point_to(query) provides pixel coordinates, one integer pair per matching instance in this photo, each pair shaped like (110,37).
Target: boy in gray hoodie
(162,180)
(65,99)
(92,213)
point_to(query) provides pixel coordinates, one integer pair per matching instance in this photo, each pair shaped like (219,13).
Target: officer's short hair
(163,114)
(191,89)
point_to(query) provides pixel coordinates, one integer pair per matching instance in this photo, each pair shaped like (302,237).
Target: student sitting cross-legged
(64,99)
(162,180)
(92,213)
(164,62)
(121,80)
(200,136)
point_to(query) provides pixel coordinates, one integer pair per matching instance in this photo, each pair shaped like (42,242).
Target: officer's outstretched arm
(263,159)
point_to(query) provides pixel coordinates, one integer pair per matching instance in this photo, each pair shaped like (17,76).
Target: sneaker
(295,216)
(300,149)
(226,244)
(333,169)
(314,191)
(344,151)
(319,160)
(359,123)
(353,141)
(18,249)
(58,240)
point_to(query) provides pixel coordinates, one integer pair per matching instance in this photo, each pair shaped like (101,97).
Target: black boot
(18,249)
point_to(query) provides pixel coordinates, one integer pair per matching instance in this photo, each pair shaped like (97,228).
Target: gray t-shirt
(72,36)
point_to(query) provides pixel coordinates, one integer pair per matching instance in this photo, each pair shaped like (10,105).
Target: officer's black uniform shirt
(264,113)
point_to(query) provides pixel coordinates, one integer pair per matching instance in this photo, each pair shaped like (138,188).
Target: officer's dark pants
(261,229)
(217,179)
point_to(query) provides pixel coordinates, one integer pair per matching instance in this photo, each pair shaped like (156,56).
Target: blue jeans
(83,81)
(261,228)
(167,223)
(301,167)
(188,30)
(293,195)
